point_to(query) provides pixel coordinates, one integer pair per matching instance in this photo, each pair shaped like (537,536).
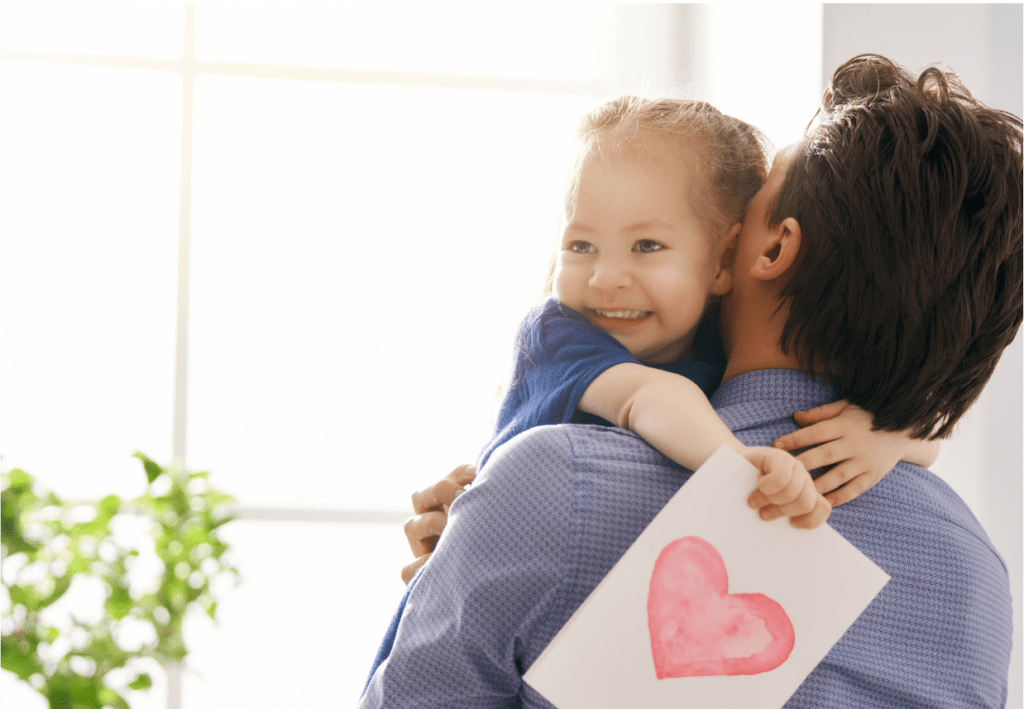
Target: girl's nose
(610,274)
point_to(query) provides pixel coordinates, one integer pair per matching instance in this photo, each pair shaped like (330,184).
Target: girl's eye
(646,246)
(580,247)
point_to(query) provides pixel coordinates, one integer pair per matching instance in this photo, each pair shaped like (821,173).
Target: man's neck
(754,343)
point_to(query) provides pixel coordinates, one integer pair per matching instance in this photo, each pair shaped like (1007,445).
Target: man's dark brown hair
(908,196)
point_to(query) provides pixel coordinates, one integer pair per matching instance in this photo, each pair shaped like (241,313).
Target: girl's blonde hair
(731,156)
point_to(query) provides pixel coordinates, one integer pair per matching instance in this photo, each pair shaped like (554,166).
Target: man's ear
(726,257)
(780,251)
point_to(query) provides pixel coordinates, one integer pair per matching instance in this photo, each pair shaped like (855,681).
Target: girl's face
(635,260)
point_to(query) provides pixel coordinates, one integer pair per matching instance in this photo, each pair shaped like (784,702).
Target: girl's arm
(672,414)
(842,435)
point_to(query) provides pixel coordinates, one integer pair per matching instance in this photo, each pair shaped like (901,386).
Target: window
(291,245)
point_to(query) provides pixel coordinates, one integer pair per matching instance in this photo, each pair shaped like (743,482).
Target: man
(883,254)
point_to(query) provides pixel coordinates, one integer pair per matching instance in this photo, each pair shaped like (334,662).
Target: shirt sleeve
(558,355)
(494,586)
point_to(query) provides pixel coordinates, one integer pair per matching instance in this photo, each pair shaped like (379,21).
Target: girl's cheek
(560,280)
(668,280)
(684,278)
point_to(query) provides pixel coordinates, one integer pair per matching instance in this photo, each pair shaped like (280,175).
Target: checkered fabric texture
(556,508)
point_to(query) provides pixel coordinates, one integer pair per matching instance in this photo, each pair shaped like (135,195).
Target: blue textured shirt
(556,508)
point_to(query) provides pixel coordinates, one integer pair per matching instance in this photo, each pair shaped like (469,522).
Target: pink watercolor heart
(697,628)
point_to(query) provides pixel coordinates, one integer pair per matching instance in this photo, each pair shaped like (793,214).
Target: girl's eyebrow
(648,225)
(576,226)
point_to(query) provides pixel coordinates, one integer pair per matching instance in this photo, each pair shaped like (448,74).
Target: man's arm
(492,593)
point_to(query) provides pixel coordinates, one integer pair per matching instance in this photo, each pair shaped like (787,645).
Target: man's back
(558,506)
(939,633)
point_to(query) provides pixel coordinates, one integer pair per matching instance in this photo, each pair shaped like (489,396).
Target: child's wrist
(740,448)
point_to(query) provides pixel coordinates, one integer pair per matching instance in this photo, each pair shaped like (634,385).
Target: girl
(655,200)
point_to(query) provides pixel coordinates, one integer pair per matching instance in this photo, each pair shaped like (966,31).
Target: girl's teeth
(625,314)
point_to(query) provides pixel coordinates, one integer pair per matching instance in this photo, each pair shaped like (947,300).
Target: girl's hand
(785,488)
(841,435)
(430,506)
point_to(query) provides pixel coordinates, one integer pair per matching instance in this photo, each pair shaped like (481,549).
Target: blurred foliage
(49,544)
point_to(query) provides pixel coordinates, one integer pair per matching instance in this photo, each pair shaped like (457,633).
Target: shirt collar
(789,385)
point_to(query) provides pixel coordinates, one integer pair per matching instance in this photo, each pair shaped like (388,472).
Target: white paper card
(730,610)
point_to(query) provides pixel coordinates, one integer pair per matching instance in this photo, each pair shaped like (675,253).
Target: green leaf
(143,681)
(19,657)
(109,506)
(119,604)
(216,498)
(78,565)
(110,698)
(17,478)
(71,690)
(19,596)
(153,471)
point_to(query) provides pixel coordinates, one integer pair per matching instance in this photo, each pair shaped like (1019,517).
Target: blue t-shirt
(558,355)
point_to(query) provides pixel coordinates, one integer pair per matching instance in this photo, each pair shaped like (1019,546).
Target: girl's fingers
(767,511)
(850,490)
(803,502)
(826,454)
(837,477)
(820,413)
(796,496)
(757,500)
(775,487)
(810,436)
(815,518)
(785,489)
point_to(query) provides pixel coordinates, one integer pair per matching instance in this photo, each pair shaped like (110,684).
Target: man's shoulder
(911,487)
(584,475)
(563,445)
(915,505)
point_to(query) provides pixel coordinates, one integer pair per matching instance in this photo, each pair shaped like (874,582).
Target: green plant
(50,545)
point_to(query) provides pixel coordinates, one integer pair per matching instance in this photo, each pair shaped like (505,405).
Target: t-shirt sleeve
(558,354)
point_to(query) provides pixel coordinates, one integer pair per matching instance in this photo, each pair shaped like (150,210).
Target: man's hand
(785,488)
(430,506)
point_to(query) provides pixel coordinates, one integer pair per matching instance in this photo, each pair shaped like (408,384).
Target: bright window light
(154,30)
(303,627)
(88,253)
(757,75)
(361,256)
(552,40)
